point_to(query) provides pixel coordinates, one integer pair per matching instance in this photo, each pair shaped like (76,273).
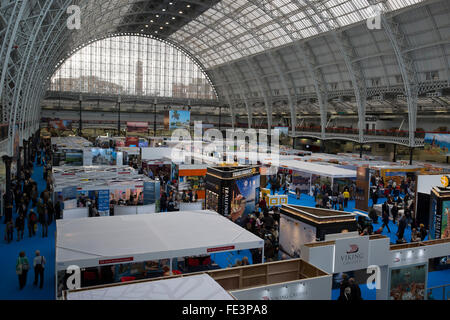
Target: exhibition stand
(189,287)
(192,177)
(68,150)
(403,269)
(233,191)
(306,174)
(121,185)
(300,225)
(440,213)
(142,245)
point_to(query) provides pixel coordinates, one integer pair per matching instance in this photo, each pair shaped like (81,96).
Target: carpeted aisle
(9,283)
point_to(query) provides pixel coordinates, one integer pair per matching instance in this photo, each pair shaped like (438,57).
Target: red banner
(219,249)
(115,260)
(132,141)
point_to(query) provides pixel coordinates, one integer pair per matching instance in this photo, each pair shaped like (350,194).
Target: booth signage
(220,249)
(109,261)
(244,172)
(351,254)
(445,181)
(103,202)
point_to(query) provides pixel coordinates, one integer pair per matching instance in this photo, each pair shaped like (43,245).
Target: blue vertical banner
(149,193)
(103,202)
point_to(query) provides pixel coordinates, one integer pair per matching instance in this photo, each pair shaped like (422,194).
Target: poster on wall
(351,254)
(437,144)
(408,283)
(73,158)
(243,198)
(179,119)
(362,189)
(300,181)
(103,202)
(69,193)
(294,234)
(445,226)
(137,127)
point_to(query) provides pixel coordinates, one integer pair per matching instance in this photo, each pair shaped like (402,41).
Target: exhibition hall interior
(225,150)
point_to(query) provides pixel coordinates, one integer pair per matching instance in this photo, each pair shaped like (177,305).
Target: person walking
(39,266)
(20,226)
(9,231)
(43,220)
(22,266)
(32,221)
(385,219)
(346,195)
(401,227)
(394,212)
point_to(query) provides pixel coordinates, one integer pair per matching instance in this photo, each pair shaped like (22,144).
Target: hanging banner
(137,127)
(103,202)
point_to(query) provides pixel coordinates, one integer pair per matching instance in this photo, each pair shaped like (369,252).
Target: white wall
(306,289)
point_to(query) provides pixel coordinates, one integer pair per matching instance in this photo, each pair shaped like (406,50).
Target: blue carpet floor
(9,283)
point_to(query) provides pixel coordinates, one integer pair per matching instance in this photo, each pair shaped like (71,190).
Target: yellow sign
(444,181)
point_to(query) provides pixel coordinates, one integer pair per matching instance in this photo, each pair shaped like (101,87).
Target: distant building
(86,84)
(139,78)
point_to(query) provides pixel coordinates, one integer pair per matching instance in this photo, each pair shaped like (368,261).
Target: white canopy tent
(195,287)
(91,242)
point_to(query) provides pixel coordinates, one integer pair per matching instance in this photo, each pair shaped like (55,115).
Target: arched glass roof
(133,65)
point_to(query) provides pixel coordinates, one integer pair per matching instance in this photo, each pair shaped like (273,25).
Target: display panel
(212,201)
(103,157)
(243,198)
(408,283)
(293,234)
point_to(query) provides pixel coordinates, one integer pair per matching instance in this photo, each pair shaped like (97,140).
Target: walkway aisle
(9,283)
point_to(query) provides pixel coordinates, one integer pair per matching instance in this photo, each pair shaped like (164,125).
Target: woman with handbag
(22,267)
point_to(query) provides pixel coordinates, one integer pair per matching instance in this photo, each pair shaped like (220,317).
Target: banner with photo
(60,124)
(137,127)
(301,181)
(408,283)
(179,119)
(437,144)
(243,198)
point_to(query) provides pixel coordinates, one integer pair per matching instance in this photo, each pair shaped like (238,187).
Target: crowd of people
(31,210)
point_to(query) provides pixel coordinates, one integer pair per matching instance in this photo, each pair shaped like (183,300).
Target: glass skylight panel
(245,25)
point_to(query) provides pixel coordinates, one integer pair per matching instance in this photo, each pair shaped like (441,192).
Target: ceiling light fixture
(180,12)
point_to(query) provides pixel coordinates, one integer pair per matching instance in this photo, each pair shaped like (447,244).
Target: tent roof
(318,169)
(196,287)
(84,242)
